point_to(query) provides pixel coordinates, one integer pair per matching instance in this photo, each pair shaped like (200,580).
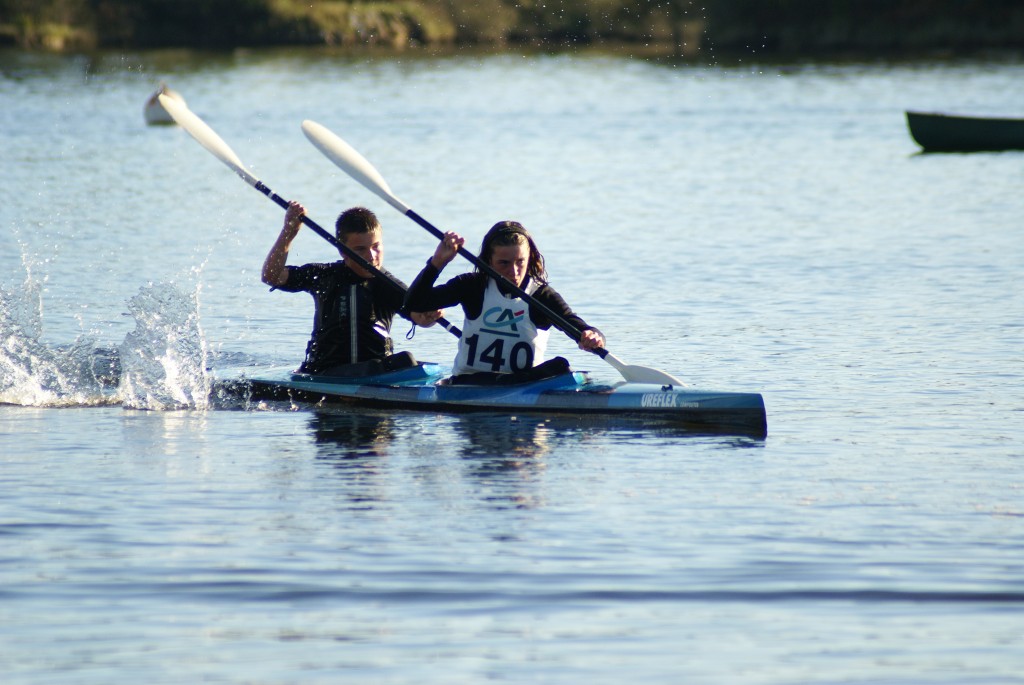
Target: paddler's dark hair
(506,234)
(355,220)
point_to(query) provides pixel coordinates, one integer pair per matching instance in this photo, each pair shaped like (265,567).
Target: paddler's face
(369,246)
(511,261)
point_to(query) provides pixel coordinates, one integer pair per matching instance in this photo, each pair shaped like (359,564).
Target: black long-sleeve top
(467,289)
(347,306)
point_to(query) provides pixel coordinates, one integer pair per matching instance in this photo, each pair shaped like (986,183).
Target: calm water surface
(746,227)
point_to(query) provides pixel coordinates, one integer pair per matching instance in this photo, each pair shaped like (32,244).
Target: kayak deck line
(423,387)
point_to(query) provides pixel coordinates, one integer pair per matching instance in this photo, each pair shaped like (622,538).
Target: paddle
(206,137)
(359,168)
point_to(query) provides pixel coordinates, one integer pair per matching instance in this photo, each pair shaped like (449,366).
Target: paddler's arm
(590,337)
(275,271)
(395,299)
(426,319)
(446,250)
(422,295)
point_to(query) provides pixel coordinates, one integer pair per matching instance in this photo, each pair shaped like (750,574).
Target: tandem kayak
(949,133)
(425,387)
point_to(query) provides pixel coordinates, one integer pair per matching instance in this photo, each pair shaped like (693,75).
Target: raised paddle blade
(641,374)
(351,162)
(206,137)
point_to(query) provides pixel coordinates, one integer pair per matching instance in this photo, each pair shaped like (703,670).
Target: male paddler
(354,307)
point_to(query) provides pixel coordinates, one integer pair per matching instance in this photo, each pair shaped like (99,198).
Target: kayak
(950,133)
(426,387)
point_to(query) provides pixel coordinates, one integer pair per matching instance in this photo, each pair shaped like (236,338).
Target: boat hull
(948,133)
(424,388)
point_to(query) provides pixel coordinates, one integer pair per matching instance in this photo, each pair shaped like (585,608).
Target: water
(746,227)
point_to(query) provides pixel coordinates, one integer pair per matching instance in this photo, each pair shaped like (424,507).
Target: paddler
(354,309)
(502,337)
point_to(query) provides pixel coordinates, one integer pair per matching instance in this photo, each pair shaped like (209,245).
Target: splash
(160,365)
(163,361)
(33,373)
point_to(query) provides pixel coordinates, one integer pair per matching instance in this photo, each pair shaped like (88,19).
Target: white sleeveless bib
(503,339)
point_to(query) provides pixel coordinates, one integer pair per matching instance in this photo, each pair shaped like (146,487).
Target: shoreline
(655,52)
(797,29)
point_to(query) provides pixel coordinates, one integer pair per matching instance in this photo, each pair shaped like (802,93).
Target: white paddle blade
(205,136)
(642,374)
(348,159)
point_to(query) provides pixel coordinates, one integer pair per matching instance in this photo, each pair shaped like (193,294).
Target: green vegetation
(684,26)
(47,24)
(870,26)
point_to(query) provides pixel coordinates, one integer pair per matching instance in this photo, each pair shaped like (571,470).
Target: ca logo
(502,321)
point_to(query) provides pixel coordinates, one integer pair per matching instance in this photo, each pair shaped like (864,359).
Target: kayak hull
(424,387)
(950,133)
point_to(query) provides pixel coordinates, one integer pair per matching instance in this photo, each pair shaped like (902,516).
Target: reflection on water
(503,437)
(504,457)
(354,445)
(351,436)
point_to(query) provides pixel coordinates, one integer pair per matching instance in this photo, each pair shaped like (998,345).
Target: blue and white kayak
(425,387)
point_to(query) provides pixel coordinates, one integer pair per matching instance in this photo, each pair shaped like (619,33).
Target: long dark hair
(507,234)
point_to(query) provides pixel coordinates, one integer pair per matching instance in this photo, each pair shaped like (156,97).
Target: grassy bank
(790,27)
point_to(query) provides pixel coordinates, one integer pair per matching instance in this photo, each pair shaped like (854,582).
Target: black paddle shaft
(349,252)
(574,332)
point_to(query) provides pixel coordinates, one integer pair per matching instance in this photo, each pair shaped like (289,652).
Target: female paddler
(503,337)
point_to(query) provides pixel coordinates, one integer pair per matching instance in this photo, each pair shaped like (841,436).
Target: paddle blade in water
(642,374)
